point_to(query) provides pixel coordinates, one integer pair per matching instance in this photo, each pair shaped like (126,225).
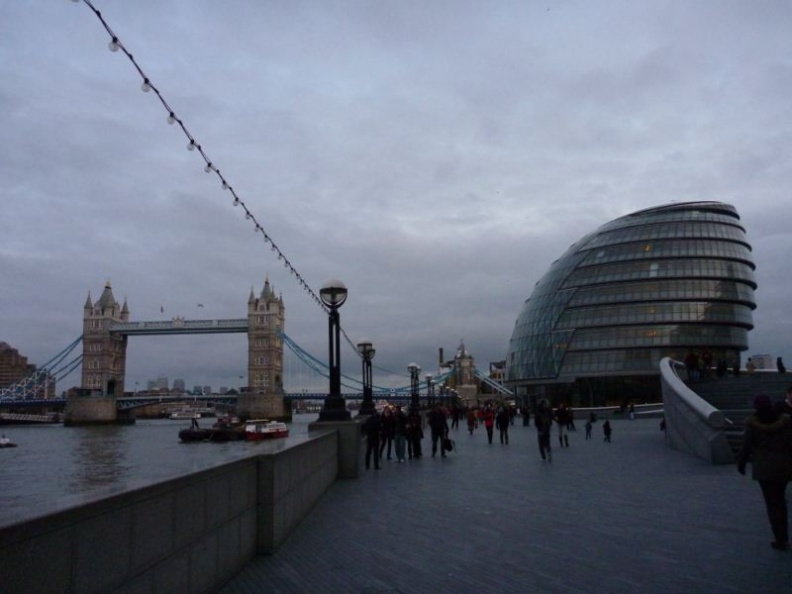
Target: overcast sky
(435,156)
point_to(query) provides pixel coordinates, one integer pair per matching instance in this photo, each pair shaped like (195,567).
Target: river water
(56,466)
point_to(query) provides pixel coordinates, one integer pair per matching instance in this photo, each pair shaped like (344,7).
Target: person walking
(606,429)
(400,434)
(767,444)
(438,427)
(503,420)
(780,365)
(785,406)
(388,429)
(489,422)
(414,433)
(472,421)
(588,430)
(372,428)
(543,421)
(562,420)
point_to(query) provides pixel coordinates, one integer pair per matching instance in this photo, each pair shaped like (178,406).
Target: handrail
(712,416)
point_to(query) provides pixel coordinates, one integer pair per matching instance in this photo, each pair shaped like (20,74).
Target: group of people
(767,445)
(395,431)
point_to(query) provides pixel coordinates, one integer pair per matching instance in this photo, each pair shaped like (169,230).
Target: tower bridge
(106,331)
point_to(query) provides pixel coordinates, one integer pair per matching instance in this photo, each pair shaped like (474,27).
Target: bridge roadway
(624,517)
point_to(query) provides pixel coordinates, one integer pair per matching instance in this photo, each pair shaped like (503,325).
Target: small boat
(6,443)
(261,429)
(224,430)
(186,414)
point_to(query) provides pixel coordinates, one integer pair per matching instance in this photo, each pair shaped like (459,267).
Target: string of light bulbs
(193,145)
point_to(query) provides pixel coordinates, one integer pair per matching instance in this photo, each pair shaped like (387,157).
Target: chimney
(440,353)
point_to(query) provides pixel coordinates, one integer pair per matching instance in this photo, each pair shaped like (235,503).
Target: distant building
(197,390)
(178,386)
(15,367)
(764,361)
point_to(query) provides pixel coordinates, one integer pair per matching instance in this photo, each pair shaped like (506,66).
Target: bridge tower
(465,374)
(266,319)
(104,354)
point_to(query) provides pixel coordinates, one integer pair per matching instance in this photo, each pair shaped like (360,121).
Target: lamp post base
(367,408)
(334,410)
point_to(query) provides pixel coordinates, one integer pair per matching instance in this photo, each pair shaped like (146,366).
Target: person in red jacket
(489,421)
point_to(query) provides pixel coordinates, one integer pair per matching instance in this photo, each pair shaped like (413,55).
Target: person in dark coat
(400,433)
(780,365)
(785,406)
(543,421)
(767,444)
(388,430)
(502,421)
(607,431)
(372,428)
(438,426)
(414,433)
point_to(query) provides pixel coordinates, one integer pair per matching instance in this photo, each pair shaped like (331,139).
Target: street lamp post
(367,352)
(333,294)
(415,372)
(429,391)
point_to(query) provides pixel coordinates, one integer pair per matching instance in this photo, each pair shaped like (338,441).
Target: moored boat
(6,443)
(261,429)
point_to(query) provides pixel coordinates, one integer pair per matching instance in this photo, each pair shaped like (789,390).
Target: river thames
(56,466)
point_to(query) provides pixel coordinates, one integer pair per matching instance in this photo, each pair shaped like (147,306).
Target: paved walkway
(628,516)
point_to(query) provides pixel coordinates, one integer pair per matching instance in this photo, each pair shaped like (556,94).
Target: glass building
(665,281)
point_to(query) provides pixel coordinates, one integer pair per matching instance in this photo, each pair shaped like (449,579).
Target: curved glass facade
(659,282)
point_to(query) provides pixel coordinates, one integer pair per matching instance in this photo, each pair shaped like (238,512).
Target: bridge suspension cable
(37,382)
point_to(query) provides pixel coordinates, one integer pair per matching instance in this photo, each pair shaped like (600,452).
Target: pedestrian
(606,429)
(414,433)
(472,421)
(503,420)
(780,365)
(588,430)
(562,420)
(543,421)
(489,421)
(785,406)
(455,414)
(372,428)
(438,426)
(388,425)
(767,444)
(526,414)
(400,434)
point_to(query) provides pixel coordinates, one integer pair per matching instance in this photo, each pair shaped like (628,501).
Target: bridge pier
(95,410)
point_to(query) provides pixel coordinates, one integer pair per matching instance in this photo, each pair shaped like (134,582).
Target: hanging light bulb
(113,45)
(247,216)
(191,146)
(208,168)
(145,86)
(171,118)
(225,185)
(236,200)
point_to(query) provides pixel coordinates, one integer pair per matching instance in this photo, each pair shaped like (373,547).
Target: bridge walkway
(621,517)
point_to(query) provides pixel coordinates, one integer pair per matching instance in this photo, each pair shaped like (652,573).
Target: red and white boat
(261,429)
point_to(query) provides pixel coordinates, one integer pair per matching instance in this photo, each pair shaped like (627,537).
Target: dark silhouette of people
(780,365)
(562,420)
(588,430)
(388,431)
(543,421)
(400,434)
(785,406)
(438,426)
(502,421)
(767,443)
(372,428)
(607,431)
(414,434)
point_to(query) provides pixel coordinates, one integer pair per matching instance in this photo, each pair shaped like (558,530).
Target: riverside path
(622,517)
